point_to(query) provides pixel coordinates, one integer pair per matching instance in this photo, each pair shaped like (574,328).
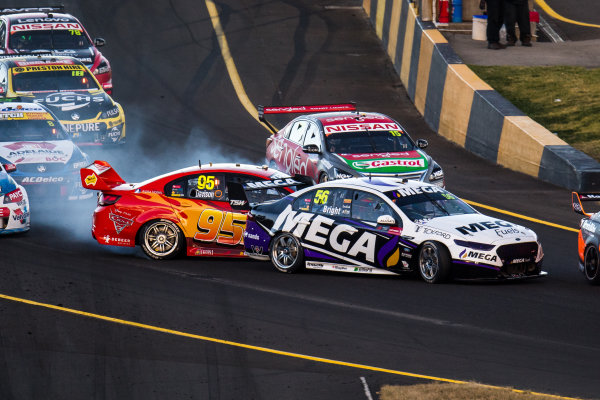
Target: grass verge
(565,100)
(454,391)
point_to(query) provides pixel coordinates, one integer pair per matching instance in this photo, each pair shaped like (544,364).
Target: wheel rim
(591,263)
(429,262)
(285,251)
(161,238)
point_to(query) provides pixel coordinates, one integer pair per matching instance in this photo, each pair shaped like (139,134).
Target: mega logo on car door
(340,224)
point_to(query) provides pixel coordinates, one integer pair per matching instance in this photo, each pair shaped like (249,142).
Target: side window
(335,202)
(297,132)
(313,136)
(207,187)
(368,207)
(304,202)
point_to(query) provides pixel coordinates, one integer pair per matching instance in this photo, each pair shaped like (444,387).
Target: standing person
(517,11)
(495,19)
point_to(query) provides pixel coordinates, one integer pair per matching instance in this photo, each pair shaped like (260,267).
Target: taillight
(13,197)
(107,199)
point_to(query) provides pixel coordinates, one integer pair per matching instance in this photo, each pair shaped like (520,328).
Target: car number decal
(221,226)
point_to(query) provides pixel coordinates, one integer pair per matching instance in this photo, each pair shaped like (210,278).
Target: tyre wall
(460,106)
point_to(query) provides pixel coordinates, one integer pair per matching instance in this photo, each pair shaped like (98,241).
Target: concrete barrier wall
(460,106)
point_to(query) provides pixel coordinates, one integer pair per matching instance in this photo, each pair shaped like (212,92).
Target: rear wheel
(286,253)
(590,263)
(434,262)
(161,239)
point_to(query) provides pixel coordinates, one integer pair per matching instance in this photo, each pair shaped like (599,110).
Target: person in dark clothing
(495,19)
(517,11)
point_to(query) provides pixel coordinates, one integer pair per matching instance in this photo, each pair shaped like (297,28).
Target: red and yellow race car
(200,210)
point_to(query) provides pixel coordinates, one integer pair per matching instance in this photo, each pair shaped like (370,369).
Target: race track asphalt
(180,105)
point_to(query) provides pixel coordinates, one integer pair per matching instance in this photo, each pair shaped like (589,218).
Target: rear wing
(100,176)
(577,200)
(20,10)
(315,108)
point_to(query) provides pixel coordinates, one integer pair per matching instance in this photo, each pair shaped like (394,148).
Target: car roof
(52,16)
(380,184)
(31,60)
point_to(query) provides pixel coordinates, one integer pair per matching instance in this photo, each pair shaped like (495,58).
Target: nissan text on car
(336,141)
(389,226)
(49,30)
(67,88)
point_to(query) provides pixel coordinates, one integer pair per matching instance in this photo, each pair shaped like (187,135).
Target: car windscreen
(21,129)
(39,81)
(423,204)
(362,142)
(56,39)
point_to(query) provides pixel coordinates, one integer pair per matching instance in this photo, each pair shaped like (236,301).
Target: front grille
(411,176)
(509,252)
(33,167)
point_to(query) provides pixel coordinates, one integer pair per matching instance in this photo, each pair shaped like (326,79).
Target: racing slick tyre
(434,262)
(286,253)
(323,177)
(590,264)
(161,239)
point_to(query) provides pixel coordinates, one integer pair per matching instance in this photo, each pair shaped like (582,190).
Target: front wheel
(434,262)
(286,253)
(590,263)
(161,239)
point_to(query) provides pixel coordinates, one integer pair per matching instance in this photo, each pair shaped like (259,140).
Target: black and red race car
(588,242)
(335,141)
(33,30)
(198,210)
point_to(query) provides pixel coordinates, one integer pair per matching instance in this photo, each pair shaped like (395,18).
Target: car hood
(75,105)
(54,151)
(387,163)
(479,228)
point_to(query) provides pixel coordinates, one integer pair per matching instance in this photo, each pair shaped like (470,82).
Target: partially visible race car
(47,161)
(336,141)
(28,30)
(199,211)
(14,203)
(64,85)
(588,242)
(389,226)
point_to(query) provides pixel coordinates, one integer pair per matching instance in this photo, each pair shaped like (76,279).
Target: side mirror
(386,220)
(311,149)
(99,42)
(422,143)
(10,167)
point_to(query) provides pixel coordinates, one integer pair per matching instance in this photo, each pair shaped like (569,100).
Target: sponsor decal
(520,260)
(223,227)
(482,226)
(45,68)
(252,236)
(20,216)
(477,255)
(237,202)
(430,231)
(577,207)
(271,183)
(589,196)
(91,180)
(102,70)
(256,249)
(205,252)
(15,196)
(342,238)
(40,62)
(400,162)
(41,168)
(288,156)
(85,127)
(509,231)
(361,127)
(40,179)
(112,112)
(68,101)
(12,115)
(411,191)
(364,270)
(46,19)
(115,240)
(45,26)
(120,222)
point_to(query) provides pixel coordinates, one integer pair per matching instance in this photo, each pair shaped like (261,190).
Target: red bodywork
(211,227)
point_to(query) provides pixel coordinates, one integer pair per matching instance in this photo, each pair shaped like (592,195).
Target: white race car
(14,203)
(389,226)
